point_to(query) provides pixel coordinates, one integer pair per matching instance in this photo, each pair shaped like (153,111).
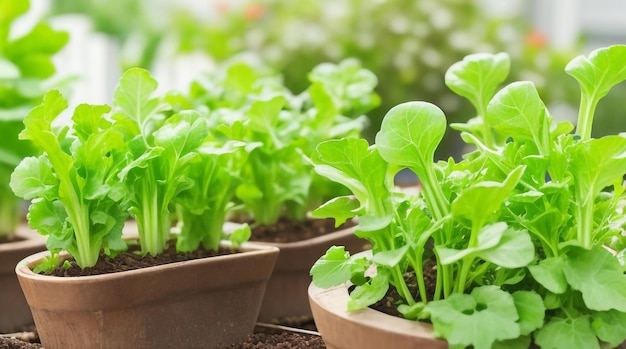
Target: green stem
(585,116)
(401,286)
(584,215)
(487,135)
(416,262)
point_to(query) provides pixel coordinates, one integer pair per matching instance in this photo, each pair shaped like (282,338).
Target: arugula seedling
(517,226)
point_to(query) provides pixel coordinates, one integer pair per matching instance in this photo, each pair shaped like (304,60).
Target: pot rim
(23,267)
(335,299)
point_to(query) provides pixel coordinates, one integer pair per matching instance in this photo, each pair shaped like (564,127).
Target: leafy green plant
(518,228)
(136,157)
(25,66)
(280,128)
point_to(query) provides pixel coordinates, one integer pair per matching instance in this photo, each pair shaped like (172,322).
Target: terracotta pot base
(202,303)
(14,312)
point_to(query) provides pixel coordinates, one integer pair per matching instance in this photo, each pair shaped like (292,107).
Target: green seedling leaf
(523,342)
(514,250)
(517,111)
(531,311)
(340,208)
(33,178)
(596,163)
(488,237)
(597,274)
(409,134)
(596,74)
(479,319)
(332,269)
(240,235)
(600,71)
(610,326)
(370,292)
(479,201)
(549,273)
(478,76)
(390,258)
(133,96)
(561,333)
(497,243)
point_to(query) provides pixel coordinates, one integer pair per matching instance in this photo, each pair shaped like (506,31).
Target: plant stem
(585,116)
(584,224)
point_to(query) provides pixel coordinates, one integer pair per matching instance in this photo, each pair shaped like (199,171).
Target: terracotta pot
(367,328)
(286,292)
(202,303)
(15,314)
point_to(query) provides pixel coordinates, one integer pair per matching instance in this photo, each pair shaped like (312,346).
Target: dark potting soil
(293,230)
(131,260)
(282,340)
(389,303)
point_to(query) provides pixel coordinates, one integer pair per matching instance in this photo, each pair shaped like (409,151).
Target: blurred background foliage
(407,44)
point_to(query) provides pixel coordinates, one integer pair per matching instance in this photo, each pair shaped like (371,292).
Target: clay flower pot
(286,293)
(15,313)
(367,328)
(201,303)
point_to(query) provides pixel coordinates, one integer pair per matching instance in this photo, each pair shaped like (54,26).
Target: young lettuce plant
(77,200)
(276,180)
(159,151)
(517,228)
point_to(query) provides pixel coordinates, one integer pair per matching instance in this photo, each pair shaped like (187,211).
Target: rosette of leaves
(518,228)
(25,66)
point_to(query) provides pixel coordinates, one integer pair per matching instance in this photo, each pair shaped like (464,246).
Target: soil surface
(290,231)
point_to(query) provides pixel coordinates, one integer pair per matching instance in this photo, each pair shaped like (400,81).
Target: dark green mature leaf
(561,333)
(481,318)
(597,274)
(332,269)
(478,76)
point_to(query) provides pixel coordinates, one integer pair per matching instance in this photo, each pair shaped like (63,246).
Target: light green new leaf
(596,163)
(561,333)
(340,208)
(531,311)
(488,237)
(409,135)
(240,235)
(33,178)
(597,274)
(481,318)
(478,76)
(610,326)
(549,273)
(370,292)
(332,269)
(479,201)
(517,111)
(600,71)
(596,75)
(133,95)
(390,258)
(514,250)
